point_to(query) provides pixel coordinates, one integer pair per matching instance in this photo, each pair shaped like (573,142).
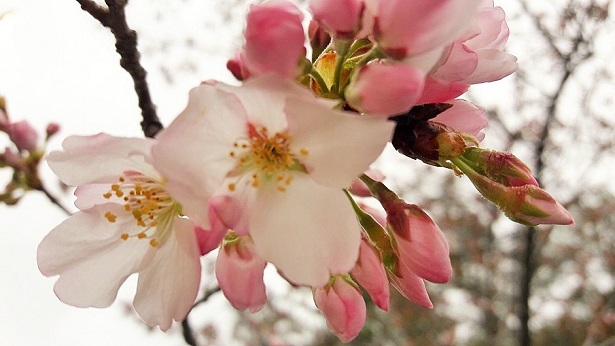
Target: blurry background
(511,286)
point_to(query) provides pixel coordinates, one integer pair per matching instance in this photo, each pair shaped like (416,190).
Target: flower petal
(90,257)
(190,153)
(167,288)
(340,145)
(308,232)
(101,158)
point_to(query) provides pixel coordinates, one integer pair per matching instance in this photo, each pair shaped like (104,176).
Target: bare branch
(114,18)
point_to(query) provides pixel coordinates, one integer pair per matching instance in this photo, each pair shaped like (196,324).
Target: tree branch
(114,18)
(186,328)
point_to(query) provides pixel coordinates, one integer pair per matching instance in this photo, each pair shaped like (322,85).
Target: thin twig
(114,18)
(186,328)
(54,200)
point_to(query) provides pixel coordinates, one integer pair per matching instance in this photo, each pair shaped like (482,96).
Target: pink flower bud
(274,38)
(227,213)
(341,18)
(13,159)
(527,204)
(23,135)
(502,167)
(358,188)
(420,242)
(369,272)
(208,239)
(52,129)
(343,306)
(384,89)
(410,285)
(237,67)
(437,92)
(239,271)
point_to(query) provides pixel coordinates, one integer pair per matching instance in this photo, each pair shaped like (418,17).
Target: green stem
(342,48)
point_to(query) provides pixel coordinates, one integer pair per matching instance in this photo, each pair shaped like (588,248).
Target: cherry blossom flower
(404,85)
(274,41)
(239,271)
(285,156)
(128,223)
(342,304)
(410,27)
(342,18)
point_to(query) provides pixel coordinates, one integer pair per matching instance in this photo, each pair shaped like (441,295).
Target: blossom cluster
(277,170)
(22,156)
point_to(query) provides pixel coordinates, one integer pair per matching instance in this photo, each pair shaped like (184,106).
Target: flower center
(264,158)
(147,202)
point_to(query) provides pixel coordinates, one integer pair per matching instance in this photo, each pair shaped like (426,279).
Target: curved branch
(114,18)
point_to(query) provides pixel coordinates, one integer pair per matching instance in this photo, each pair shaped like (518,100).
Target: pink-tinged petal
(90,257)
(492,65)
(336,142)
(343,307)
(493,30)
(230,212)
(274,38)
(208,239)
(458,65)
(101,158)
(426,250)
(369,272)
(308,232)
(239,271)
(342,18)
(413,27)
(90,195)
(436,92)
(410,285)
(167,288)
(464,116)
(193,172)
(404,86)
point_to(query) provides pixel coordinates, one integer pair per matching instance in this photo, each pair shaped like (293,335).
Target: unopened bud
(420,139)
(526,204)
(12,159)
(23,135)
(52,129)
(502,167)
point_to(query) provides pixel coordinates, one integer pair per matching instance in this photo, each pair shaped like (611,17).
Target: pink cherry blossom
(130,225)
(478,56)
(411,27)
(343,306)
(274,39)
(239,271)
(420,243)
(410,285)
(385,89)
(286,156)
(369,272)
(464,116)
(341,18)
(23,135)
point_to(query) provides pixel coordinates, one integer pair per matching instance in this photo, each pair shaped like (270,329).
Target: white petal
(340,145)
(100,158)
(308,232)
(167,288)
(193,152)
(90,257)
